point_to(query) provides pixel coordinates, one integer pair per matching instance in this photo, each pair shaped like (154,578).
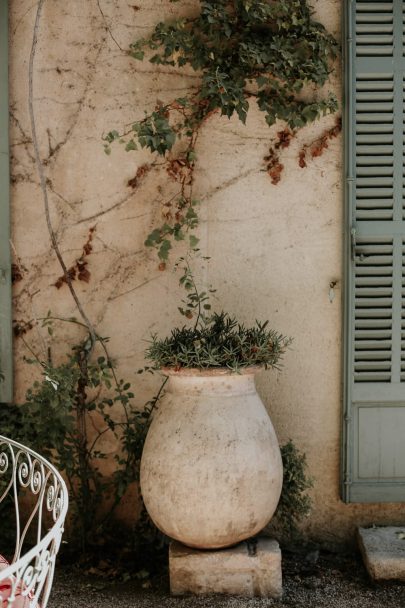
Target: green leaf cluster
(270,51)
(155,133)
(197,303)
(266,49)
(219,342)
(161,238)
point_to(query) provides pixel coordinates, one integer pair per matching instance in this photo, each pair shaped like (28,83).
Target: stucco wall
(274,249)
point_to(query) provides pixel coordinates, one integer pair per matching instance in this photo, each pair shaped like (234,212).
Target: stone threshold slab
(383,550)
(238,570)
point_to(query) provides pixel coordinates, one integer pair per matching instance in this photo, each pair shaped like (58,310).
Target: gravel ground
(331,582)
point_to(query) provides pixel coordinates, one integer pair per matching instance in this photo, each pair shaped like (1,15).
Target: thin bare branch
(42,178)
(107,27)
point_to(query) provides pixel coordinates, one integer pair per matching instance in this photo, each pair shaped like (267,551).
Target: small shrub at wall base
(294,504)
(58,420)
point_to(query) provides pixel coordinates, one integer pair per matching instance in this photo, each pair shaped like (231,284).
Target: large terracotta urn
(211,469)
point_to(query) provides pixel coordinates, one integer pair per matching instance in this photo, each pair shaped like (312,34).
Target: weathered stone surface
(230,571)
(211,470)
(383,551)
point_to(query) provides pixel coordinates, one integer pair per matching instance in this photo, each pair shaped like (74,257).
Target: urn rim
(210,372)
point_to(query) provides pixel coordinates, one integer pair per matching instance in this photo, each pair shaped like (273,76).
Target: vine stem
(33,353)
(42,179)
(156,398)
(108,27)
(191,276)
(31,300)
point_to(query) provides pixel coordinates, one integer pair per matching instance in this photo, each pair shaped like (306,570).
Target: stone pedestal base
(233,571)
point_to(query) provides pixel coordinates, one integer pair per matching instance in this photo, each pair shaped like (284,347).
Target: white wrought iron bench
(33,495)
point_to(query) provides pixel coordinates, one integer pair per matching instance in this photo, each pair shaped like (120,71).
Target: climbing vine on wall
(265,52)
(272,53)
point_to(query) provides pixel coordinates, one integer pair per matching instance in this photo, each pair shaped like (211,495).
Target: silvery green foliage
(219,341)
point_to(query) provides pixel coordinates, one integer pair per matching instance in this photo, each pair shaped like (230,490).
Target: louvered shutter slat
(374,7)
(373,204)
(372,29)
(374,181)
(374,86)
(380,138)
(374,272)
(370,354)
(363,281)
(373,292)
(382,375)
(377,161)
(374,313)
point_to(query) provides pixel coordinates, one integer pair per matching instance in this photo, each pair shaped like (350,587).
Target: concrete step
(383,550)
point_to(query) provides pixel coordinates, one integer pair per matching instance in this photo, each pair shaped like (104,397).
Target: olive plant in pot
(211,469)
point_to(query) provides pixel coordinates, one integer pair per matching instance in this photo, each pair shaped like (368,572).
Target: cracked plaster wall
(274,249)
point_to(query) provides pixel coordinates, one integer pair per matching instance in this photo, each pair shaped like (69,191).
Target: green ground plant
(65,416)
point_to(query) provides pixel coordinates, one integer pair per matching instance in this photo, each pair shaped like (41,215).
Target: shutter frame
(376,407)
(348,235)
(6,359)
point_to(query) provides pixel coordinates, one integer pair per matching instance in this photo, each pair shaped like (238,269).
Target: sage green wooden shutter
(374,455)
(5,262)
